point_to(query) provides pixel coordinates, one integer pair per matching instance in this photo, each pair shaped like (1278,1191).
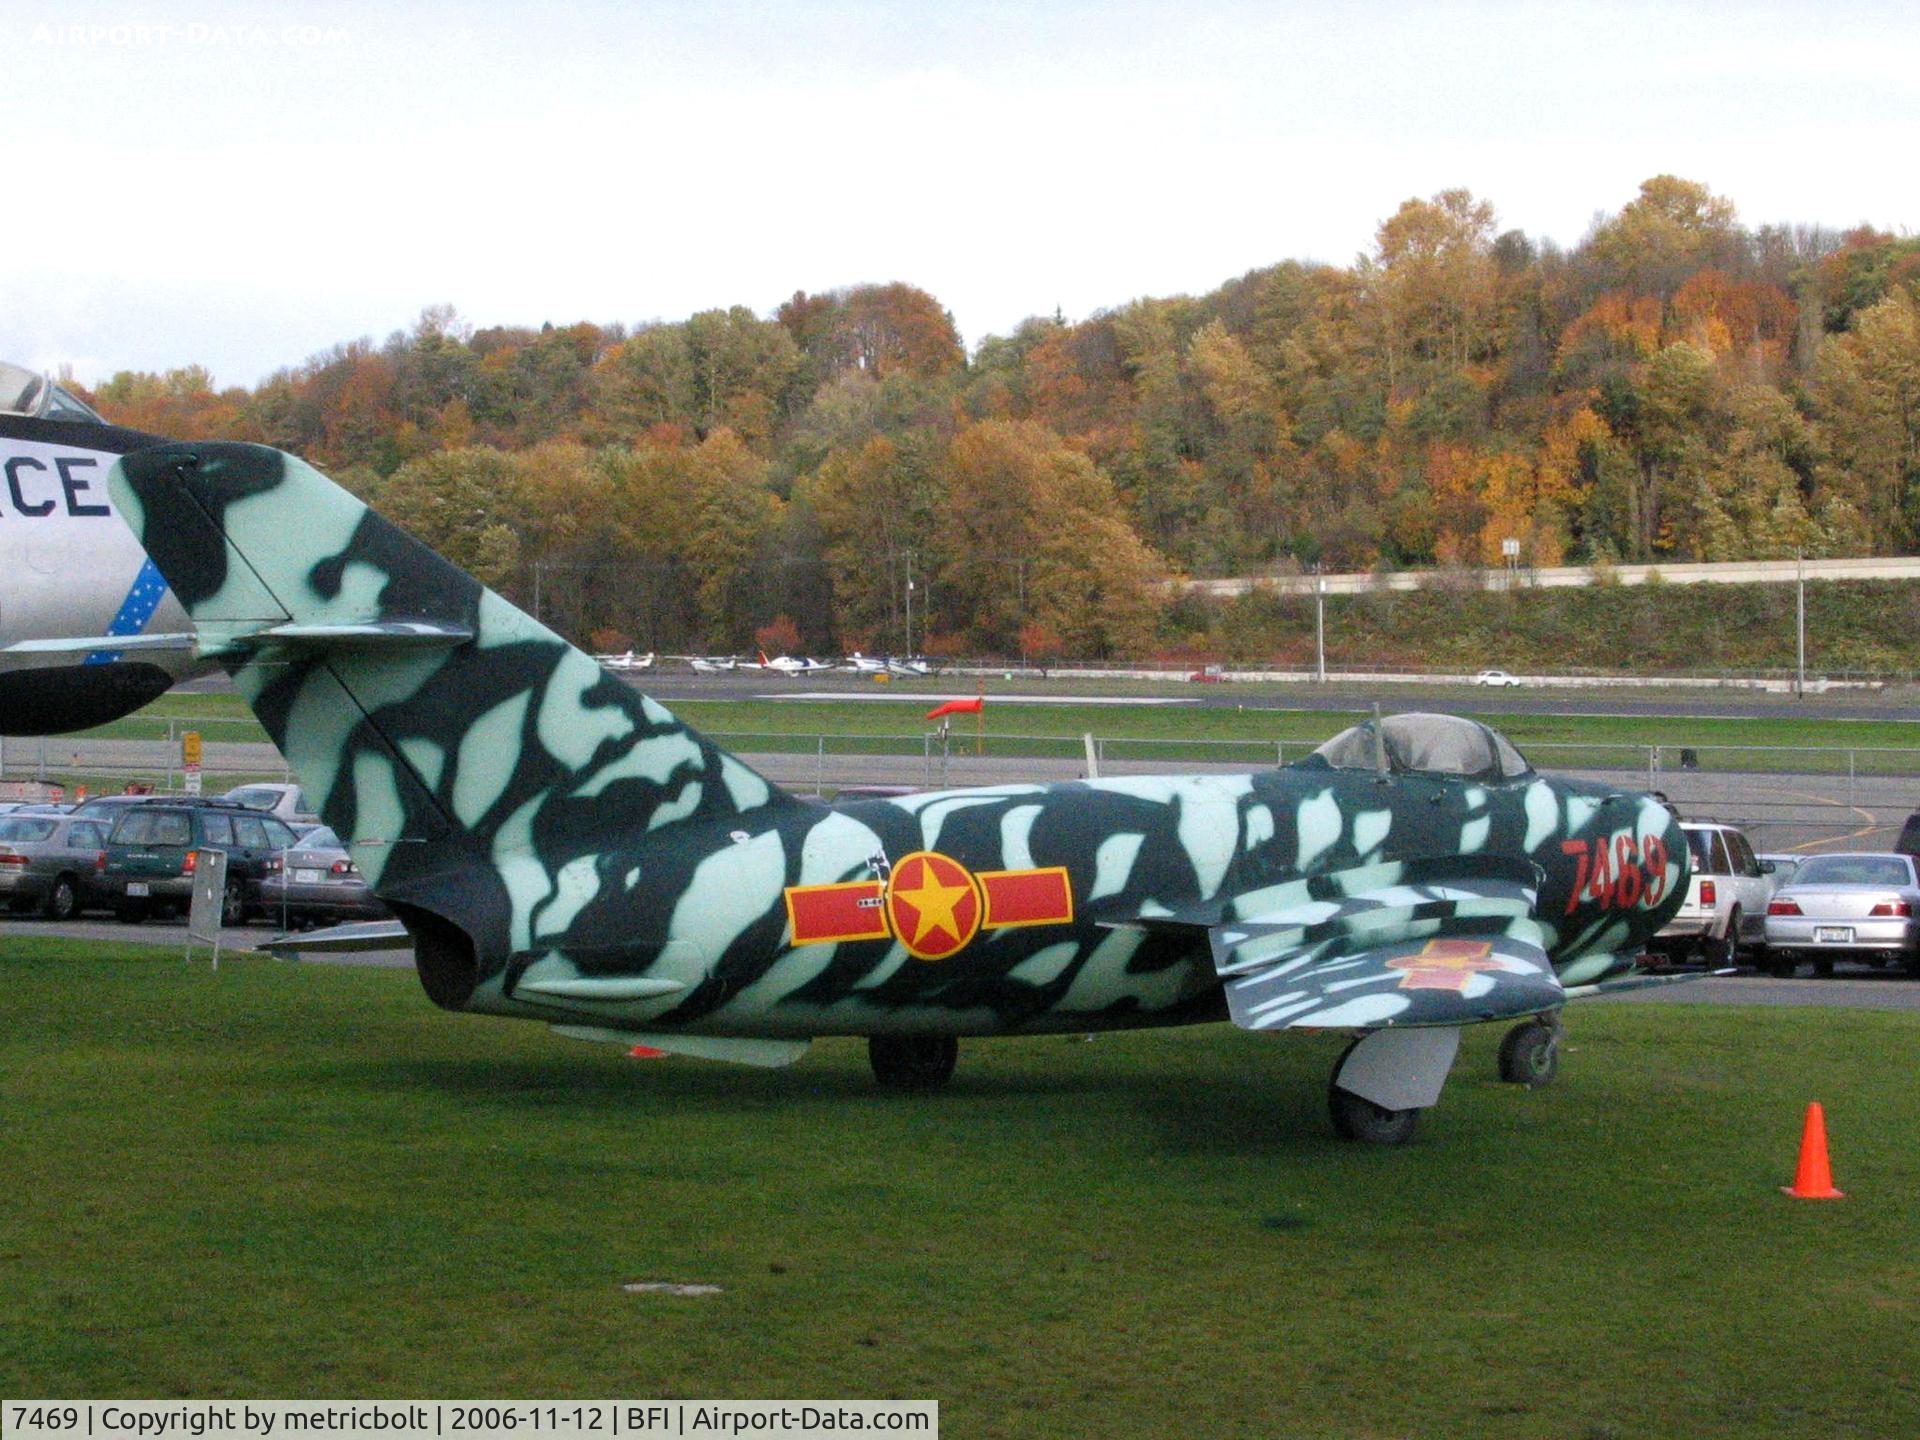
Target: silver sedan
(1854,906)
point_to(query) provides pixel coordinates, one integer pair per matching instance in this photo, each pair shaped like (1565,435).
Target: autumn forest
(1677,385)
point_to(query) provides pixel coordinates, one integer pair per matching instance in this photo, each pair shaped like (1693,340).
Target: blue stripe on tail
(149,589)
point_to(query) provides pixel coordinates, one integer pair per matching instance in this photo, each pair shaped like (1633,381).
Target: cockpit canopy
(1425,744)
(26,392)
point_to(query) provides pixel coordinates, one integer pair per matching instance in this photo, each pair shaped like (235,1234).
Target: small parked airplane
(788,665)
(560,847)
(628,661)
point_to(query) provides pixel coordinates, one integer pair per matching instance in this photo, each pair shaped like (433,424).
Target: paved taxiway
(1338,695)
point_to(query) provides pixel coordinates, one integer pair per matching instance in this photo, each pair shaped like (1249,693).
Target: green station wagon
(155,848)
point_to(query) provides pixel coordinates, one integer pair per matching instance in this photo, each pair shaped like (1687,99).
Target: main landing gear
(913,1062)
(1386,1078)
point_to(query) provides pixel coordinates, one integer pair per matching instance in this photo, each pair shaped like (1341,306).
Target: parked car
(107,808)
(49,863)
(155,847)
(1496,677)
(1909,841)
(1859,906)
(287,803)
(1779,868)
(317,880)
(1726,904)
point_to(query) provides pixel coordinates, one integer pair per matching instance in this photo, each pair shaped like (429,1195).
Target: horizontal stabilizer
(360,937)
(87,645)
(768,1054)
(374,634)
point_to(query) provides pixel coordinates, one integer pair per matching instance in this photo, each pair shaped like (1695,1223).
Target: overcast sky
(241,186)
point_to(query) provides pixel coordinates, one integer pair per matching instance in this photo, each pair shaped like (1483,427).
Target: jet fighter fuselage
(560,847)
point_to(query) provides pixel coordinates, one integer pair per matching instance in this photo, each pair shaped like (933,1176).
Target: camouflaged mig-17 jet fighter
(560,847)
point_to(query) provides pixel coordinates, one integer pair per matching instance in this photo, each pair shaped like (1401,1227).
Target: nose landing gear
(1530,1053)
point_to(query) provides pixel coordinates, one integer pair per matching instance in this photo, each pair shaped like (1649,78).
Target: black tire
(1530,1054)
(1724,953)
(913,1062)
(1357,1118)
(233,905)
(63,900)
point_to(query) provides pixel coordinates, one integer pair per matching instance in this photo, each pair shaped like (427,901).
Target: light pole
(1319,625)
(1800,625)
(907,653)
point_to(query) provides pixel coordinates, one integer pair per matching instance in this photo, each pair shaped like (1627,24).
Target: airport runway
(1855,988)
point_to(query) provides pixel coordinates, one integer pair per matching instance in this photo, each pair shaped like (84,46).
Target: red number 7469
(1617,872)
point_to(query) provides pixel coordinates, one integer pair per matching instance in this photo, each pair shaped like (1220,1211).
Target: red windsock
(957,707)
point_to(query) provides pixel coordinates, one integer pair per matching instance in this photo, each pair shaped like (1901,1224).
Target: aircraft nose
(1671,887)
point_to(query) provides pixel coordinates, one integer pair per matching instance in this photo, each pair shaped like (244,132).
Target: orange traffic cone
(1813,1180)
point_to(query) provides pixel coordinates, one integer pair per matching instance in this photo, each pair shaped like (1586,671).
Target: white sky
(203,183)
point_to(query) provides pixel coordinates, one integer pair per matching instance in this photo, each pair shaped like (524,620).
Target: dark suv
(1909,841)
(155,848)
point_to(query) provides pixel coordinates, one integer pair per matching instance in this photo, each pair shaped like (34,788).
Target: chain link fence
(1783,796)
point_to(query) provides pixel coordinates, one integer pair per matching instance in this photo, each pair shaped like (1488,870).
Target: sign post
(190,760)
(209,901)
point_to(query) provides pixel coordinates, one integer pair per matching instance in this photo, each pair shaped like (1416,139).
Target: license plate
(1833,935)
(138,887)
(306,877)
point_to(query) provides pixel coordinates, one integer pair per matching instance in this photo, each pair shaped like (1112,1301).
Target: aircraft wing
(1449,950)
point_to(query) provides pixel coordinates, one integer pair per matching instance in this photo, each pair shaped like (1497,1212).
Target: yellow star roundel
(934,904)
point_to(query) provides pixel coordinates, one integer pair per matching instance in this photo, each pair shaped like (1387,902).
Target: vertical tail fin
(433,722)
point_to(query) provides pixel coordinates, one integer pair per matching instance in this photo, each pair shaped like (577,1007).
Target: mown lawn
(303,1181)
(1260,722)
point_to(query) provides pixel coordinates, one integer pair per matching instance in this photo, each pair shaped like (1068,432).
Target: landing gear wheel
(1724,953)
(1530,1054)
(233,905)
(913,1062)
(1355,1118)
(63,901)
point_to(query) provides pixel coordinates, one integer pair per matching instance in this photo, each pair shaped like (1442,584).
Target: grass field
(224,717)
(284,1180)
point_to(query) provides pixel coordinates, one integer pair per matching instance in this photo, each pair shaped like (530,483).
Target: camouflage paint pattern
(565,849)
